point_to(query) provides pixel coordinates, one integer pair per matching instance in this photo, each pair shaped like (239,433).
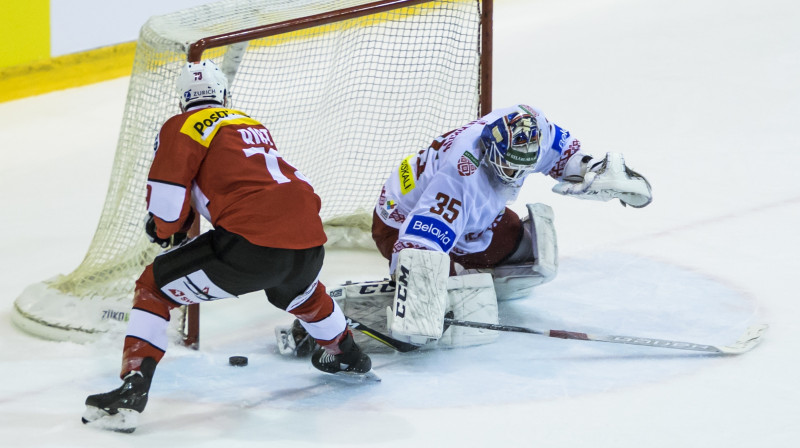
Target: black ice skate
(119,409)
(352,363)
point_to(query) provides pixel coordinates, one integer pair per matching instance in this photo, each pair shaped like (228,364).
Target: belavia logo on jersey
(433,230)
(560,139)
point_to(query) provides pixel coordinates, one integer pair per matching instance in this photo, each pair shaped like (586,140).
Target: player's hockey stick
(400,346)
(750,339)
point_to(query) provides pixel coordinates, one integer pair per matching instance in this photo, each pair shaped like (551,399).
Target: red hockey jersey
(227,164)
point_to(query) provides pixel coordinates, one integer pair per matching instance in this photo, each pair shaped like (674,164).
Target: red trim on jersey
(146,298)
(317,307)
(558,170)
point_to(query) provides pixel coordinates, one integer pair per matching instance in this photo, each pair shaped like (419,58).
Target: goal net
(346,87)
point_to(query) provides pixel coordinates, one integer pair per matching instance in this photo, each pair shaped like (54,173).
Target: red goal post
(347,89)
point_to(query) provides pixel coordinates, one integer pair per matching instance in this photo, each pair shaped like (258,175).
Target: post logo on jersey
(406,175)
(432,230)
(204,124)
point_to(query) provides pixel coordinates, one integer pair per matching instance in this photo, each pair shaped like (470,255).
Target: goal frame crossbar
(198,47)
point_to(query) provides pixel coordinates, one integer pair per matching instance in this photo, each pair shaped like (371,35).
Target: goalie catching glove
(606,180)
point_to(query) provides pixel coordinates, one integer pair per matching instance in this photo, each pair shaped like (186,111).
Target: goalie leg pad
(545,244)
(364,302)
(470,297)
(535,262)
(420,298)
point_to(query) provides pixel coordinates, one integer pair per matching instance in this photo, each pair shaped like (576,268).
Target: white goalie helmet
(200,83)
(512,144)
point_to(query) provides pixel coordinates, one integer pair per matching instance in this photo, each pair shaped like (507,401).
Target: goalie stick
(749,339)
(745,343)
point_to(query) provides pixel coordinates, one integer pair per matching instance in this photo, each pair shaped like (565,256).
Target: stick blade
(750,338)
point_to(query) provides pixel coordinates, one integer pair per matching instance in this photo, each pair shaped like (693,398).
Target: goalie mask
(511,145)
(202,83)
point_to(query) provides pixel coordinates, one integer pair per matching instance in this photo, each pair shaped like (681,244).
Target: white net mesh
(344,103)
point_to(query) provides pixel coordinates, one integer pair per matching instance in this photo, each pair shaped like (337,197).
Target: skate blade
(357,378)
(124,420)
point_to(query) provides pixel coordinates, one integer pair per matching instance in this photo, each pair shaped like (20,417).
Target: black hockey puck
(239,361)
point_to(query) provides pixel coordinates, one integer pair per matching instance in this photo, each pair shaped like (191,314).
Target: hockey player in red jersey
(267,235)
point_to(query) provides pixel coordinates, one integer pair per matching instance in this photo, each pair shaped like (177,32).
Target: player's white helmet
(201,83)
(512,144)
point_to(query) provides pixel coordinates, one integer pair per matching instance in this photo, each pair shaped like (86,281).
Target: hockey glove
(607,180)
(150,229)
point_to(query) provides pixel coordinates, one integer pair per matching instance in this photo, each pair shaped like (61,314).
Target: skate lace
(327,358)
(333,360)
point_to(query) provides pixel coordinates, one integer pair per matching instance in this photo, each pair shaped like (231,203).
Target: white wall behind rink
(80,25)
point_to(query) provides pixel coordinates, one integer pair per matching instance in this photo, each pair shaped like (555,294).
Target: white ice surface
(701,96)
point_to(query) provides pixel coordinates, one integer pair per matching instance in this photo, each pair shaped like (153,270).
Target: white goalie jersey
(445,198)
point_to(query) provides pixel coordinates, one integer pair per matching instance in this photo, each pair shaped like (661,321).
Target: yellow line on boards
(63,72)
